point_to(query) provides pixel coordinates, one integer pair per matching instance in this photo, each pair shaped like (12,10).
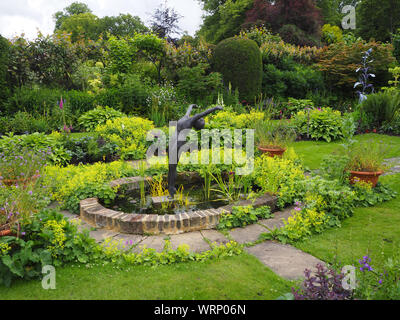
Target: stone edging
(94,213)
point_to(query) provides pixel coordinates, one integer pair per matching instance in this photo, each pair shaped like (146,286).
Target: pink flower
(61,104)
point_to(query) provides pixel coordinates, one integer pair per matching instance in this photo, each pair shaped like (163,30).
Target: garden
(315,194)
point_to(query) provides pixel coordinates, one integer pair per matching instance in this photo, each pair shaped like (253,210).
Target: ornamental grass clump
(367,157)
(274,134)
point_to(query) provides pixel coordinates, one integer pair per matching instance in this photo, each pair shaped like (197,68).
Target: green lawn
(238,277)
(312,152)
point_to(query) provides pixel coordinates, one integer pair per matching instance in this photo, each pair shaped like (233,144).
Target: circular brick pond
(96,214)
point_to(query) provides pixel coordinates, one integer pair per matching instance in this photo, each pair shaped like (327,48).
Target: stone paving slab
(252,232)
(194,240)
(155,242)
(284,260)
(129,239)
(101,235)
(214,236)
(249,233)
(277,220)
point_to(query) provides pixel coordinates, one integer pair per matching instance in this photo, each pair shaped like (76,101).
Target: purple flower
(30,192)
(297,208)
(61,104)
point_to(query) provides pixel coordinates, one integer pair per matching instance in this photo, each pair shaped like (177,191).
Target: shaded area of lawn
(238,277)
(374,231)
(312,152)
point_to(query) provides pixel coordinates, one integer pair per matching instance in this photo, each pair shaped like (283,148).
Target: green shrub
(48,239)
(293,106)
(325,123)
(239,62)
(196,86)
(292,80)
(91,119)
(4,55)
(129,134)
(379,108)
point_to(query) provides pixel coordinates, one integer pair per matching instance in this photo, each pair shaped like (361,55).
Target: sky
(27,16)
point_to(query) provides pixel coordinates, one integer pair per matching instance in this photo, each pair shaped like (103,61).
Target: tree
(303,14)
(378,19)
(82,24)
(124,25)
(224,18)
(73,9)
(164,22)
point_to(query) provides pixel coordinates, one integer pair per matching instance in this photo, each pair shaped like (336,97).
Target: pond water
(190,199)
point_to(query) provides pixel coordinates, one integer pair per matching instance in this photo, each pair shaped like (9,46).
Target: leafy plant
(326,284)
(242,216)
(98,116)
(322,123)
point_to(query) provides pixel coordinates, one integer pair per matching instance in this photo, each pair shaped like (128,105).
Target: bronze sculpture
(186,122)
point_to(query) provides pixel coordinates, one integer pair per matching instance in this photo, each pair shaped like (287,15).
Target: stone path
(394,166)
(284,260)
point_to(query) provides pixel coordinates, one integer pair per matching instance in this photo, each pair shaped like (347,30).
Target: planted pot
(365,176)
(273,151)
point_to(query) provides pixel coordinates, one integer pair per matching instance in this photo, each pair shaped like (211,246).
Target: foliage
(239,62)
(378,283)
(366,156)
(323,204)
(326,284)
(396,45)
(4,58)
(271,134)
(89,149)
(242,216)
(37,142)
(331,34)
(338,62)
(377,24)
(230,119)
(379,108)
(22,164)
(47,239)
(72,184)
(280,176)
(293,106)
(322,123)
(367,196)
(293,80)
(91,119)
(129,134)
(224,18)
(194,84)
(302,14)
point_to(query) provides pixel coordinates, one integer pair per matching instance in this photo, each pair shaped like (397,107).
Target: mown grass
(312,152)
(238,277)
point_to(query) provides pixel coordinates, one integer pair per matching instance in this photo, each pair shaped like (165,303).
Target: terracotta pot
(369,177)
(5,230)
(272,152)
(20,181)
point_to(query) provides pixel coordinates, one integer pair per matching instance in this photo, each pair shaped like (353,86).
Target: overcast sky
(26,16)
